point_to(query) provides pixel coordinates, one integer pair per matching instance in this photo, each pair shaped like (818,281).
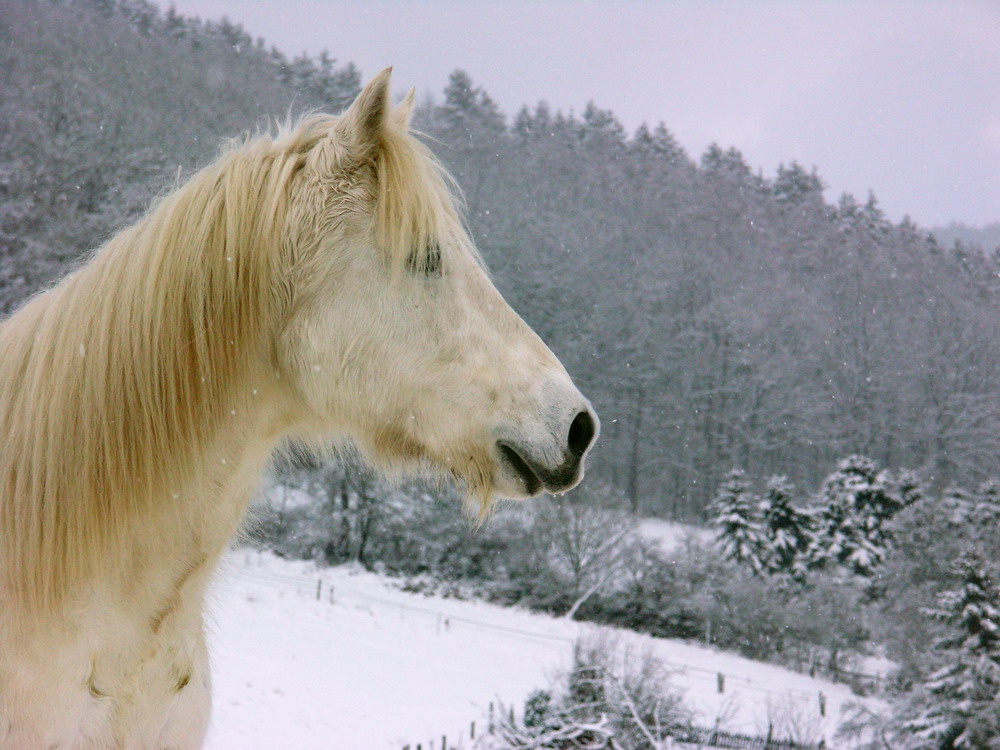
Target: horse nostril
(581,433)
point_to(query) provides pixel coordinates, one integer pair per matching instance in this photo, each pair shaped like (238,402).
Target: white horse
(318,284)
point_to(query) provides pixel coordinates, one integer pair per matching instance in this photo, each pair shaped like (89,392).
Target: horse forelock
(417,210)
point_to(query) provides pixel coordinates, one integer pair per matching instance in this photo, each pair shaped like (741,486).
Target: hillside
(380,668)
(715,317)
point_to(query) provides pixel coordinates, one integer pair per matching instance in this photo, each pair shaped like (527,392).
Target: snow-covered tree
(611,699)
(468,109)
(989,492)
(909,488)
(735,516)
(794,185)
(985,510)
(658,144)
(788,531)
(958,705)
(856,503)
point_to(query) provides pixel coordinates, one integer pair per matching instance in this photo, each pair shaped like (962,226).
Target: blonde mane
(115,383)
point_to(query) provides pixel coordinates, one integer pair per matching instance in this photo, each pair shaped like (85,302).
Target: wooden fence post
(822,704)
(319,588)
(720,681)
(472,730)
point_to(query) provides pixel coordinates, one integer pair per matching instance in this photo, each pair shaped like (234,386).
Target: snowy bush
(611,699)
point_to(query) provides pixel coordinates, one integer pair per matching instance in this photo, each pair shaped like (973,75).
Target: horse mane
(116,384)
(112,381)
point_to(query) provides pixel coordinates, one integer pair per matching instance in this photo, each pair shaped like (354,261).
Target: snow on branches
(956,704)
(847,524)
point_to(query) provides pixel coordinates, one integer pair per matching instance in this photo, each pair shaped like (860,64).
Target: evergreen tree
(335,88)
(601,130)
(985,513)
(303,71)
(663,142)
(523,125)
(468,111)
(788,531)
(856,503)
(730,167)
(909,488)
(847,213)
(958,706)
(873,217)
(175,24)
(734,515)
(141,14)
(794,185)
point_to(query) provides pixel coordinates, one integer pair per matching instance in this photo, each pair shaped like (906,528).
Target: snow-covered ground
(379,668)
(671,534)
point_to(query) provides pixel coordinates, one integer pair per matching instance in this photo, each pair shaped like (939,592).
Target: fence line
(716,738)
(316,585)
(702,737)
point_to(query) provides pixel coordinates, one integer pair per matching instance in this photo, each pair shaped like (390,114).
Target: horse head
(394,335)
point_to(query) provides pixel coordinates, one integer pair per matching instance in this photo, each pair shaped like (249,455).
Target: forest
(716,317)
(719,318)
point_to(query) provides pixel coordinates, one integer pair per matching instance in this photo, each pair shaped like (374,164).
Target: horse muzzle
(533,465)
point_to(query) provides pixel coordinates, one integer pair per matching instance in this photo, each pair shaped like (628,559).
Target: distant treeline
(717,317)
(987,236)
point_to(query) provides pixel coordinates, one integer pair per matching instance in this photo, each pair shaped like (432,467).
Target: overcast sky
(900,97)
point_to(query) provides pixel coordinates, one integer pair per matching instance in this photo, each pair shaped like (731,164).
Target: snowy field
(671,534)
(378,668)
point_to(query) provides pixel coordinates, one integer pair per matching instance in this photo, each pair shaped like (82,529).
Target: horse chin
(512,488)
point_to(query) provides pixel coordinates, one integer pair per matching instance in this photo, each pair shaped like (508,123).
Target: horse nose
(539,469)
(581,435)
(582,431)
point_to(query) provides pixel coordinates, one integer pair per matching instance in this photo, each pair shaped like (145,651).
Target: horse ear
(366,117)
(402,113)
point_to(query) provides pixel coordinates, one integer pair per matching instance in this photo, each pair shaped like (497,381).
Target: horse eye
(427,263)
